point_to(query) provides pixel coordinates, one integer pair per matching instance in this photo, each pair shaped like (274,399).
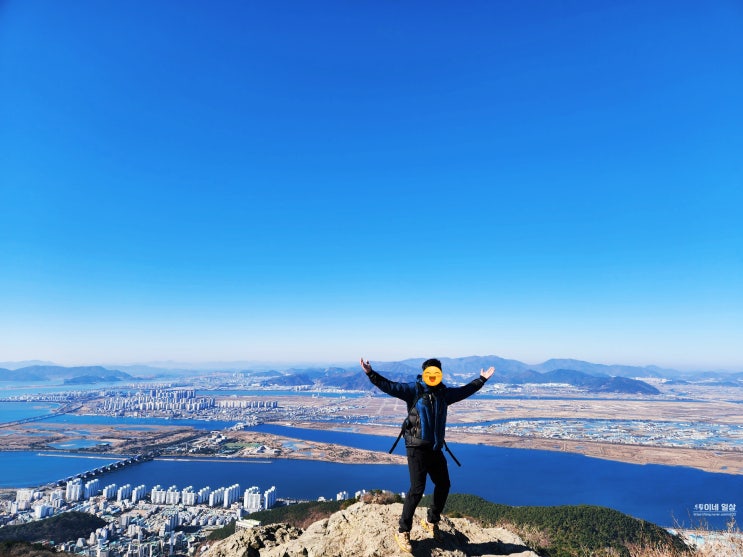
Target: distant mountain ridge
(24,363)
(587,375)
(70,375)
(460,370)
(472,363)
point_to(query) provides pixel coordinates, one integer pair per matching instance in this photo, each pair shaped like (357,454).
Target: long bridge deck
(90,474)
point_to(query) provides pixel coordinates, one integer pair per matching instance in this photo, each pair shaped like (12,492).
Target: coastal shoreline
(718,461)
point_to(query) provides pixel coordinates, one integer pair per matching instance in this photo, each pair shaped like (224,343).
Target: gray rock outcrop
(367,530)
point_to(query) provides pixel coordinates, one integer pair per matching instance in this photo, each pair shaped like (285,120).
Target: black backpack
(412,423)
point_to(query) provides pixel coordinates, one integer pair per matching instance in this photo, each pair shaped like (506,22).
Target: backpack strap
(418,396)
(451,454)
(399,436)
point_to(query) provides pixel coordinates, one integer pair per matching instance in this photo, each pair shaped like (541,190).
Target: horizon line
(195,365)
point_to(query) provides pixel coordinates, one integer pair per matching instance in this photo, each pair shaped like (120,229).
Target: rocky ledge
(367,530)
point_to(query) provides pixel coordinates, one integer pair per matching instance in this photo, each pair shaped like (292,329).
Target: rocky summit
(367,530)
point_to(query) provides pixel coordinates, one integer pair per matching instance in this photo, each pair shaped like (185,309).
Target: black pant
(424,461)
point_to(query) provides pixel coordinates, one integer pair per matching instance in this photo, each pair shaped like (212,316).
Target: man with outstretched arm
(424,429)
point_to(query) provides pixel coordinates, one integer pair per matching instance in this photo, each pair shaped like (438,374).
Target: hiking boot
(403,540)
(432,528)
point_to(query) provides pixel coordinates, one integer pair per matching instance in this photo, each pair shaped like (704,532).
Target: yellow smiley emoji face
(432,376)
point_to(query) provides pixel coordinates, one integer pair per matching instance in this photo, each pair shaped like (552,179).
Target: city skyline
(329,181)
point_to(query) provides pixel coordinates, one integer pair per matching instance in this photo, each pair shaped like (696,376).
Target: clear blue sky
(319,181)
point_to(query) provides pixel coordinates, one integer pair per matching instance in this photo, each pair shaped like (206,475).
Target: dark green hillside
(300,515)
(567,531)
(25,549)
(60,528)
(221,533)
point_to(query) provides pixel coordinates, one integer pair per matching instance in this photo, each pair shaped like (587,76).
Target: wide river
(666,495)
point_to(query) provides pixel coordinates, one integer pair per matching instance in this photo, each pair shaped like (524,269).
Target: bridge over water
(67,409)
(95,472)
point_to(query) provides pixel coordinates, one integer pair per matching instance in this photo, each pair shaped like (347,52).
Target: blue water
(665,495)
(662,494)
(138,423)
(294,479)
(13,411)
(350,439)
(268,393)
(76,444)
(33,468)
(14,388)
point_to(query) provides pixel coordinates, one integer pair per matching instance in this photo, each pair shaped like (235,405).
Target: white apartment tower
(269,497)
(74,490)
(138,493)
(92,488)
(231,494)
(252,500)
(124,492)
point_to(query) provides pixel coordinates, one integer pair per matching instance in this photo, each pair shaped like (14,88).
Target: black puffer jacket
(431,406)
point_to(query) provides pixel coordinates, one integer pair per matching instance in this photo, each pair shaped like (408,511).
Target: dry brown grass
(703,543)
(24,549)
(532,536)
(380,497)
(656,551)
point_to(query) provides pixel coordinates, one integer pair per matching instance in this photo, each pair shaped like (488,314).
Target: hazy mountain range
(589,376)
(69,375)
(456,371)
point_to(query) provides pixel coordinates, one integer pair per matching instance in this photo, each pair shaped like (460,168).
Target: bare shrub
(644,550)
(702,543)
(380,497)
(533,537)
(728,543)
